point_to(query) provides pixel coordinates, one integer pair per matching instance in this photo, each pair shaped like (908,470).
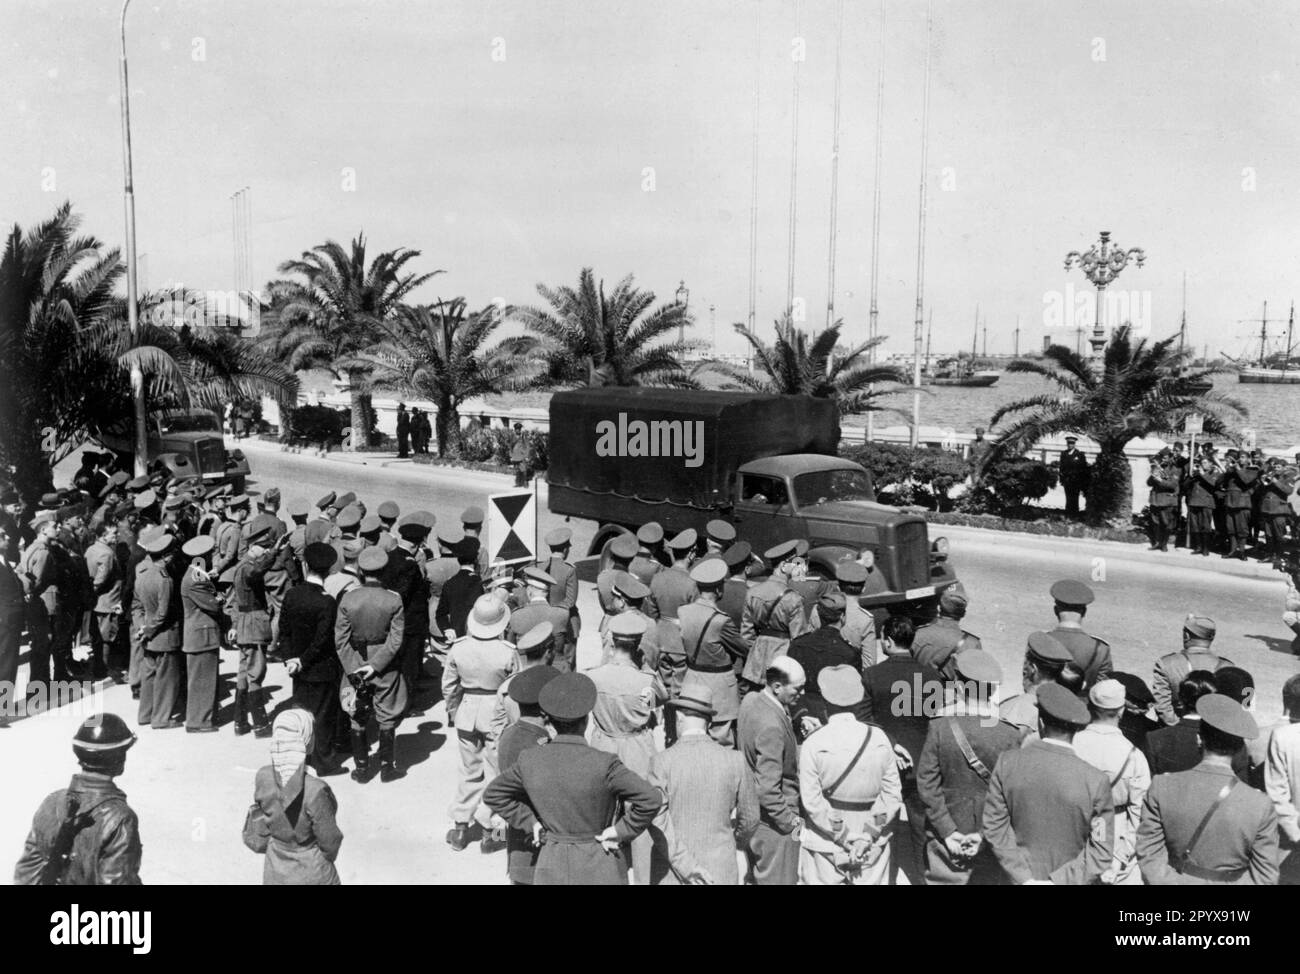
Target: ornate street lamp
(1101,265)
(684,299)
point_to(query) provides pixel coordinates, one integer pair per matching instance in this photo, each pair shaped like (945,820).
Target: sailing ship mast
(920,235)
(929,333)
(1182,328)
(1290,327)
(1263,334)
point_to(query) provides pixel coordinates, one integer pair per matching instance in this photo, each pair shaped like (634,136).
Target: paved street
(192,792)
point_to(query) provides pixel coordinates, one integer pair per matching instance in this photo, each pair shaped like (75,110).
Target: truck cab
(186,443)
(830,502)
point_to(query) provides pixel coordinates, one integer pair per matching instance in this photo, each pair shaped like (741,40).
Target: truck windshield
(821,486)
(190,423)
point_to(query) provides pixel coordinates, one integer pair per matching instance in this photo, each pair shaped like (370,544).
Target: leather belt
(774,633)
(559,838)
(699,668)
(844,805)
(1212,875)
(477,691)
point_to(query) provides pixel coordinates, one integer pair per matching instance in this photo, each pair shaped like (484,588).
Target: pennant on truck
(512,527)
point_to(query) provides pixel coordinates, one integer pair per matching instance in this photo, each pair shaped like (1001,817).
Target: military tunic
(474,671)
(1173,668)
(937,644)
(368,630)
(523,735)
(1092,655)
(670,589)
(712,645)
(773,616)
(1238,845)
(1106,749)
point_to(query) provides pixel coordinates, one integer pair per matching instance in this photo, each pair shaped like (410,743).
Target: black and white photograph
(703,442)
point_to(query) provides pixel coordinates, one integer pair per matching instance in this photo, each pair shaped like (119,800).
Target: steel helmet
(102,741)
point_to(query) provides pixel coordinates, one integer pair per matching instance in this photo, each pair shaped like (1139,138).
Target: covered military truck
(768,464)
(185,443)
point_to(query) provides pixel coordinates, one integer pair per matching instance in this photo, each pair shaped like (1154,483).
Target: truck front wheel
(604,538)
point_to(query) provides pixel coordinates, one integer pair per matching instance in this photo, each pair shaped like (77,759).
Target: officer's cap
(1045,648)
(260,534)
(737,555)
(650,533)
(239,500)
(343,500)
(850,572)
(628,625)
(175,502)
(832,602)
(326,501)
(558,538)
(953,599)
(629,586)
(352,547)
(450,535)
(142,500)
(156,543)
(527,685)
(1061,705)
(779,553)
(370,524)
(472,516)
(349,518)
(1202,627)
(720,531)
(372,559)
(535,576)
(623,547)
(388,511)
(137,484)
(683,540)
(710,571)
(1069,592)
(569,696)
(978,666)
(198,545)
(535,640)
(1226,715)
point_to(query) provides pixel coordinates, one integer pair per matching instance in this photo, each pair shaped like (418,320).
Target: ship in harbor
(1278,367)
(958,372)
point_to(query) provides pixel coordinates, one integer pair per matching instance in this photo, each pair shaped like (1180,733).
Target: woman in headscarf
(291,820)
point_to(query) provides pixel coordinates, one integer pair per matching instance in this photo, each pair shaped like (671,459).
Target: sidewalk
(385,460)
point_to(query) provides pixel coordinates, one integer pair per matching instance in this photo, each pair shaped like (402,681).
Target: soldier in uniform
(1049,816)
(564,593)
(1103,745)
(442,569)
(388,513)
(1178,748)
(476,667)
(1198,826)
(736,587)
(939,641)
(962,746)
(538,609)
(406,577)
(1199,488)
(37,570)
(252,634)
(1075,474)
(702,786)
(533,649)
(161,687)
(1070,604)
(766,738)
(570,795)
(649,556)
(200,636)
(1172,668)
(809,585)
(282,571)
(86,834)
(13,609)
(849,789)
(621,552)
(1273,489)
(1163,501)
(824,646)
(471,522)
(629,595)
(1045,658)
(713,646)
(719,535)
(229,534)
(527,731)
(671,588)
(106,571)
(461,591)
(857,626)
(368,638)
(1238,486)
(622,720)
(322,526)
(773,615)
(311,657)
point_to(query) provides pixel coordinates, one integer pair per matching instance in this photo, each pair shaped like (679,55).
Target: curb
(1117,549)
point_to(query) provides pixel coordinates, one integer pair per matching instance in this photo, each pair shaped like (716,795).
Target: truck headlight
(940,548)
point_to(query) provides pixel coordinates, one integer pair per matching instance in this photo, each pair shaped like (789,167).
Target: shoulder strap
(968,752)
(1123,767)
(852,764)
(1224,792)
(704,631)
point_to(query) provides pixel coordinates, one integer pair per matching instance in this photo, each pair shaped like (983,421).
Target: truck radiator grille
(913,555)
(211,456)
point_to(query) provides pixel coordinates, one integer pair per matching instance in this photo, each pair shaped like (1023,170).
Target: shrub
(921,476)
(1007,484)
(317,425)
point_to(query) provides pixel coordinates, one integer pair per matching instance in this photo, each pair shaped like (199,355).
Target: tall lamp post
(132,300)
(1101,265)
(684,299)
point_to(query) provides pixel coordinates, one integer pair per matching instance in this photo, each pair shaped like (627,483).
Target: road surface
(192,791)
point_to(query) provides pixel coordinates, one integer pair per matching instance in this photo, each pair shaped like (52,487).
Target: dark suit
(160,668)
(575,792)
(814,651)
(404,576)
(1238,846)
(1049,815)
(1176,748)
(765,736)
(307,635)
(201,642)
(457,599)
(13,609)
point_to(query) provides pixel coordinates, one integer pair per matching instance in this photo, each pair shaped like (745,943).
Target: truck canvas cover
(635,442)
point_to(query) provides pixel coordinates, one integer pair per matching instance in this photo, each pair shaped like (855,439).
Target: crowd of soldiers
(743,703)
(1232,505)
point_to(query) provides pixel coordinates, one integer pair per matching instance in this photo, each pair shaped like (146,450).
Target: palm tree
(1140,388)
(436,352)
(589,338)
(336,313)
(66,352)
(797,365)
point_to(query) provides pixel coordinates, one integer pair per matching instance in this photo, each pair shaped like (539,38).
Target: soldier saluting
(86,834)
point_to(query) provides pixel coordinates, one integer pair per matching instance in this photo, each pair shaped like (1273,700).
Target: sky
(516,142)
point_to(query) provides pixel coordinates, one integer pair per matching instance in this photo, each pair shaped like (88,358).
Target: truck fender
(825,557)
(177,465)
(600,542)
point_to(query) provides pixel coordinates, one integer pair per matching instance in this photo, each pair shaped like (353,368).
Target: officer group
(751,719)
